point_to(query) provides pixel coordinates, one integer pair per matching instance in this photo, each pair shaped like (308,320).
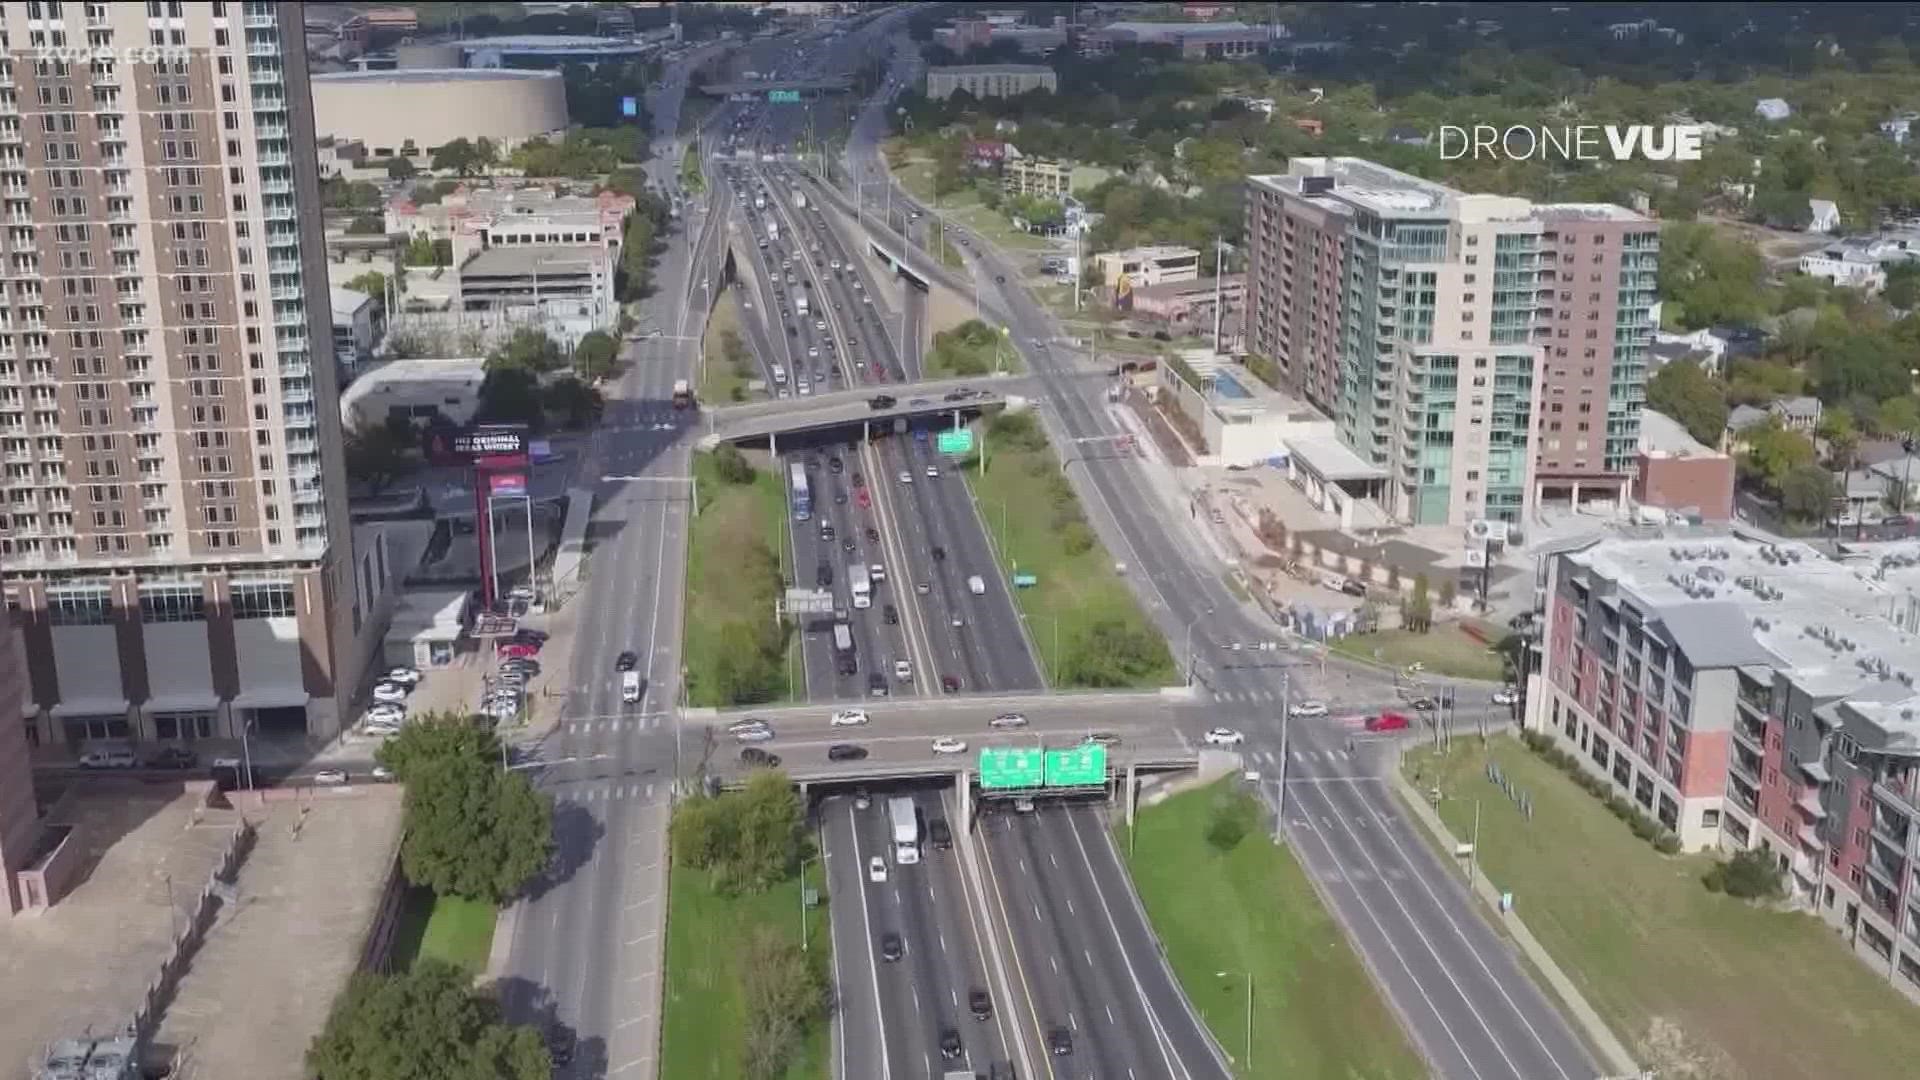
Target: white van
(630,686)
(779,375)
(976,585)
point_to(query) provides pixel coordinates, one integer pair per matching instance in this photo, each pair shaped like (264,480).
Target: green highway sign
(1082,766)
(1025,581)
(955,441)
(1011,767)
(789,97)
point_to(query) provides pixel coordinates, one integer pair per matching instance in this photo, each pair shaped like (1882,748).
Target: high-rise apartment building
(1753,695)
(1485,350)
(19,812)
(175,535)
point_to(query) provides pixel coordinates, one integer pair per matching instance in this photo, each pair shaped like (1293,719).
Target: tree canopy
(1693,398)
(473,829)
(596,355)
(750,839)
(426,1023)
(527,349)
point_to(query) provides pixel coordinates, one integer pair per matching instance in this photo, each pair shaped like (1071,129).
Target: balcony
(277,187)
(262,48)
(302,446)
(273,157)
(258,21)
(297,397)
(1745,769)
(1885,864)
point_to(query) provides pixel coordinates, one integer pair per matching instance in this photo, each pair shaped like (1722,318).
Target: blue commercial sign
(629,106)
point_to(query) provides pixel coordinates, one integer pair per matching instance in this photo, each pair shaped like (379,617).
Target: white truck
(800,199)
(861,584)
(906,830)
(773,230)
(759,202)
(800,302)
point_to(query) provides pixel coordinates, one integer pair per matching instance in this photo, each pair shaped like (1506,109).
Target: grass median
(446,928)
(706,1005)
(1696,983)
(726,362)
(969,349)
(1246,908)
(736,567)
(1083,620)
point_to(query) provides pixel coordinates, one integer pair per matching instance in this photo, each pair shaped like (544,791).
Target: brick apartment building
(176,544)
(1487,351)
(1755,695)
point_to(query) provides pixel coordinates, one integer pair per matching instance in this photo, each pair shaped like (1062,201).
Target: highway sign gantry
(1007,768)
(955,441)
(1081,766)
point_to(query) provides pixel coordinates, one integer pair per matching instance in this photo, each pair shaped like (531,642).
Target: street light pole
(803,899)
(1246,1059)
(1190,657)
(1280,803)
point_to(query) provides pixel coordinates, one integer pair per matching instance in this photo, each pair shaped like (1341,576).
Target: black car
(627,662)
(892,614)
(846,752)
(792,330)
(1423,704)
(882,401)
(939,834)
(1353,588)
(873,535)
(823,575)
(892,947)
(950,684)
(876,684)
(1000,278)
(839,498)
(171,757)
(756,758)
(847,543)
(530,637)
(560,1044)
(834,463)
(939,553)
(859,481)
(1060,1040)
(980,1003)
(949,1042)
(847,665)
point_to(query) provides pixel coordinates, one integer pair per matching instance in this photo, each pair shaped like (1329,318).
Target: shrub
(1749,875)
(1232,819)
(1642,826)
(1668,844)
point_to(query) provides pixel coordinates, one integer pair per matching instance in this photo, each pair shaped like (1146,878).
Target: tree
(437,737)
(510,396)
(473,829)
(1233,816)
(366,225)
(1903,285)
(1417,611)
(1897,416)
(748,839)
(573,402)
(786,991)
(376,456)
(1774,451)
(373,283)
(424,250)
(1749,875)
(1693,398)
(527,350)
(1113,652)
(1807,492)
(399,168)
(425,1023)
(1716,278)
(595,356)
(732,465)
(1836,427)
(459,157)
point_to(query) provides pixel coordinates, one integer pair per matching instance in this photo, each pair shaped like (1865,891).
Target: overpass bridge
(844,408)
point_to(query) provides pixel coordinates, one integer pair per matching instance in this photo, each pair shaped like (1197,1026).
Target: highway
(1472,1011)
(1088,958)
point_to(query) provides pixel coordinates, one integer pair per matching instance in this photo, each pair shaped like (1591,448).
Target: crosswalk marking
(593,792)
(634,723)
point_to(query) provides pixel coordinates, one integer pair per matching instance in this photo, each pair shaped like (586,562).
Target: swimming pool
(1227,387)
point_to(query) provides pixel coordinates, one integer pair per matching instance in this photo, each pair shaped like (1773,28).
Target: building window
(262,600)
(172,603)
(1710,819)
(81,606)
(198,725)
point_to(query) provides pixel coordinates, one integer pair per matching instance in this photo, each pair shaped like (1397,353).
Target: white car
(1506,696)
(850,717)
(877,870)
(383,774)
(390,693)
(395,713)
(906,477)
(1008,720)
(903,670)
(405,676)
(947,744)
(1224,737)
(1308,708)
(330,776)
(933,470)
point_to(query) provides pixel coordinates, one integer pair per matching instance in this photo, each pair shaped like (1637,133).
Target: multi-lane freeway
(1038,910)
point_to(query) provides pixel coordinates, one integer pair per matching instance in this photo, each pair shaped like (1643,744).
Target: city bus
(799,495)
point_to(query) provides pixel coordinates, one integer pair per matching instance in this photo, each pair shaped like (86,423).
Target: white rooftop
(1841,627)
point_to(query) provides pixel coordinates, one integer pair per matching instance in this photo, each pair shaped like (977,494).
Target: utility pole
(1219,254)
(1280,804)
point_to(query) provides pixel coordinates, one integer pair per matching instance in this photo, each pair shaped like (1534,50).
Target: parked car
(171,757)
(108,759)
(405,676)
(1506,695)
(390,693)
(331,777)
(514,650)
(387,711)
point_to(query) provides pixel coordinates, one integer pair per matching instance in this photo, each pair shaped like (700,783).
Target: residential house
(1895,474)
(1407,135)
(1741,420)
(1899,127)
(1849,263)
(1800,414)
(1825,216)
(1772,108)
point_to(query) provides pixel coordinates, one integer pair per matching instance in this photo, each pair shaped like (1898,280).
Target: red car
(518,650)
(1388,721)
(865,500)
